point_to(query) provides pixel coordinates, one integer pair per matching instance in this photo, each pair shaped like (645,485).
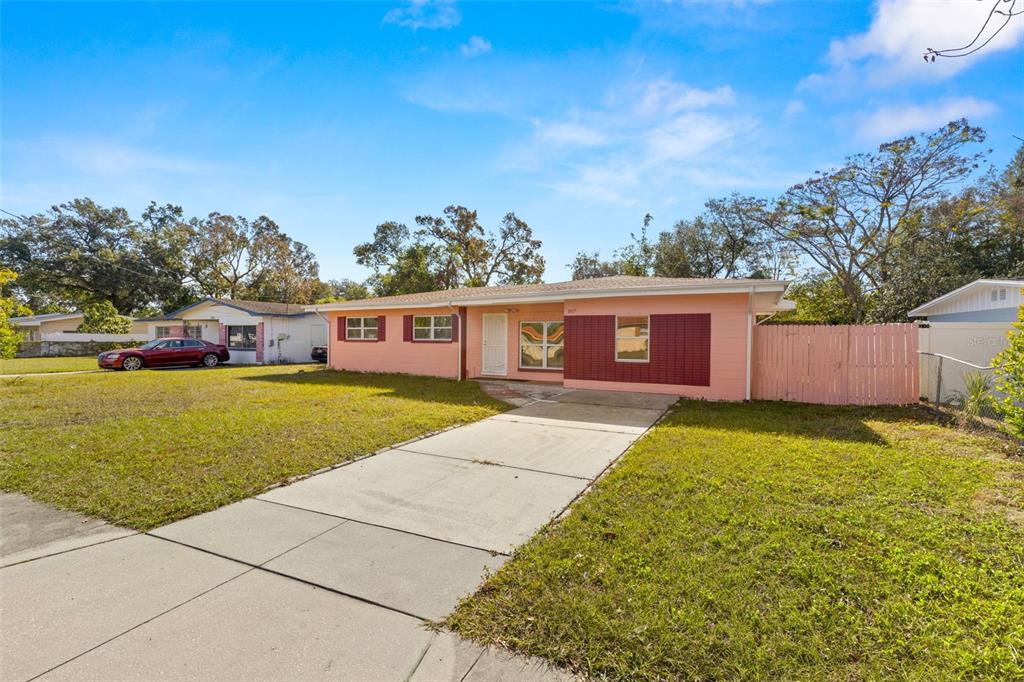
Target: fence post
(938,386)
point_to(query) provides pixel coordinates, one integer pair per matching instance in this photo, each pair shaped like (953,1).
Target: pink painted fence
(836,365)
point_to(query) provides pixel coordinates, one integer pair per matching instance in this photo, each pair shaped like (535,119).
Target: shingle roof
(43,317)
(626,284)
(251,307)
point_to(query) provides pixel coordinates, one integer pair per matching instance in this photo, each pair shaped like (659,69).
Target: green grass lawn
(774,541)
(141,449)
(47,365)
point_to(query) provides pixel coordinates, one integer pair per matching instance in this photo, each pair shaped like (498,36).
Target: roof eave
(554,297)
(924,309)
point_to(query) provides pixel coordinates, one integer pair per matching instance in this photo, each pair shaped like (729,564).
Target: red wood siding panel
(680,350)
(341,328)
(382,323)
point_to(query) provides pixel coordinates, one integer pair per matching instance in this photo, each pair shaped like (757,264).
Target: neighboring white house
(256,332)
(969,324)
(983,300)
(62,326)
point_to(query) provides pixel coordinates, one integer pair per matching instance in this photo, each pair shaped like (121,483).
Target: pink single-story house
(687,337)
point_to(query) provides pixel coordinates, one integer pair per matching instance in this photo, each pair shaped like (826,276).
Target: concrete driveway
(332,577)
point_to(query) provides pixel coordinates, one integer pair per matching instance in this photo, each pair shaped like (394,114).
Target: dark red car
(164,353)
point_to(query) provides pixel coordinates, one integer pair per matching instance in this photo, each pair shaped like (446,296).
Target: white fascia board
(923,309)
(555,297)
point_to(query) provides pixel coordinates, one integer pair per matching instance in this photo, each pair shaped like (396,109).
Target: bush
(976,396)
(1009,371)
(103,318)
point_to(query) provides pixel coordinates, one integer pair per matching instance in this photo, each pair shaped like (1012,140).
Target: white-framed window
(194,331)
(632,338)
(242,337)
(361,328)
(162,332)
(432,328)
(541,345)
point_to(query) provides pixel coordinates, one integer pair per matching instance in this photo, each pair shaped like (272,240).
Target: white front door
(495,344)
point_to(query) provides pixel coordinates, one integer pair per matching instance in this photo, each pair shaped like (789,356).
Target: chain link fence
(954,383)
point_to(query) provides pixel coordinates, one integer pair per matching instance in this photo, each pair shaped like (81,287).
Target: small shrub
(1009,370)
(976,396)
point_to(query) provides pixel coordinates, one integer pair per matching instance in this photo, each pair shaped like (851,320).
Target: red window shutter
(341,329)
(407,328)
(455,328)
(381,327)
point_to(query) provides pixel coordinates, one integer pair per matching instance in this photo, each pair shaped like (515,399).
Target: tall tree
(342,290)
(849,220)
(233,257)
(474,258)
(976,233)
(79,253)
(400,266)
(450,251)
(588,265)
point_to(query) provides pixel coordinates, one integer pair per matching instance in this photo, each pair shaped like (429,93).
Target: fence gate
(836,365)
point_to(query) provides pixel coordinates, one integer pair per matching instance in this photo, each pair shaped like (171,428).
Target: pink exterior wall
(542,312)
(393,354)
(728,340)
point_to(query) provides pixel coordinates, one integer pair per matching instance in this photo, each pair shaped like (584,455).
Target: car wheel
(211,360)
(131,363)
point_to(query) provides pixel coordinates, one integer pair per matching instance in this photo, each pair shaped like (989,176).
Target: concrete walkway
(332,577)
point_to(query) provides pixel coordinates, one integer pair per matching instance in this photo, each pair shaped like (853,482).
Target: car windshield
(152,344)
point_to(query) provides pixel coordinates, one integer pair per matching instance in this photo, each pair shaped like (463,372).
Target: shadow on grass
(842,423)
(428,389)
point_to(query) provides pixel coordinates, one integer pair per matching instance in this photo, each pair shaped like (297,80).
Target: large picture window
(361,328)
(541,345)
(632,338)
(242,337)
(432,328)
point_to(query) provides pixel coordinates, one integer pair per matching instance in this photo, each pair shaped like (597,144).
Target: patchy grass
(774,541)
(47,365)
(141,449)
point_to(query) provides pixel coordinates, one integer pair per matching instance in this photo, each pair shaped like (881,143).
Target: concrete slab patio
(331,577)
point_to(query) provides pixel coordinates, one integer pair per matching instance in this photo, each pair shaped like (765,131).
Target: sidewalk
(332,577)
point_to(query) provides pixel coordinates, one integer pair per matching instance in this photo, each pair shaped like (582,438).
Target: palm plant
(976,397)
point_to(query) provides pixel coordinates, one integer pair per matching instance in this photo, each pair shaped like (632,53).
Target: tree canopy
(867,242)
(79,254)
(449,251)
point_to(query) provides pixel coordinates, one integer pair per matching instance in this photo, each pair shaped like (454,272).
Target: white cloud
(892,48)
(794,108)
(690,135)
(475,47)
(428,14)
(116,158)
(666,96)
(643,139)
(893,121)
(568,133)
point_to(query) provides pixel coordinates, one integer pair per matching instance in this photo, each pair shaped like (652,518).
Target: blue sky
(581,118)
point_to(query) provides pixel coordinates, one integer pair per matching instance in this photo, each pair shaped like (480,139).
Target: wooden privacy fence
(836,365)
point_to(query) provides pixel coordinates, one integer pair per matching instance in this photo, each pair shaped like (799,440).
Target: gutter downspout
(458,355)
(320,315)
(750,340)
